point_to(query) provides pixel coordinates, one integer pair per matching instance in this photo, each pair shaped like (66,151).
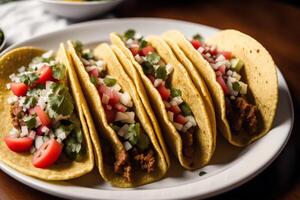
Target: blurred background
(274,23)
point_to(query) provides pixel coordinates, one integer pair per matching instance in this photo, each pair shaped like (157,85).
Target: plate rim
(217,190)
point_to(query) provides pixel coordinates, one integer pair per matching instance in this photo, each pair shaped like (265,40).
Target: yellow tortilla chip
(9,63)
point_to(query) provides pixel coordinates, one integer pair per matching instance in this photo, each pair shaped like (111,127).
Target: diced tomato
(19,144)
(146,50)
(110,115)
(175,109)
(103,89)
(213,51)
(180,119)
(47,154)
(152,78)
(43,116)
(19,89)
(120,107)
(196,43)
(134,50)
(222,69)
(94,72)
(226,54)
(164,92)
(223,84)
(45,74)
(114,98)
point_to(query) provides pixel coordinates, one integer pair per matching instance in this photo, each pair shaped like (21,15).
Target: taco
(241,77)
(126,131)
(188,128)
(44,131)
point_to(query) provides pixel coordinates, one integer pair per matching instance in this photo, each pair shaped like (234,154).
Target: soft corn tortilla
(259,73)
(9,63)
(205,136)
(108,136)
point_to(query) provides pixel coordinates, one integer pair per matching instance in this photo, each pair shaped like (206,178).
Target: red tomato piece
(110,115)
(45,74)
(175,109)
(227,54)
(120,107)
(146,50)
(134,50)
(19,144)
(103,89)
(114,98)
(180,119)
(213,51)
(164,92)
(19,89)
(94,72)
(47,154)
(196,43)
(223,84)
(152,78)
(222,69)
(43,116)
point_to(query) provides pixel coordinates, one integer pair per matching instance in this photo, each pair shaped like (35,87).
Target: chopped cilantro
(236,86)
(153,58)
(129,34)
(147,68)
(161,73)
(175,92)
(78,46)
(30,121)
(185,108)
(198,37)
(58,71)
(88,55)
(94,80)
(201,173)
(143,141)
(29,78)
(30,101)
(142,43)
(73,146)
(114,127)
(133,133)
(109,81)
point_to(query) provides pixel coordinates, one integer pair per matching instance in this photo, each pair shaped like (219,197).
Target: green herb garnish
(201,173)
(78,46)
(29,78)
(236,86)
(153,58)
(30,121)
(129,34)
(94,80)
(58,71)
(30,101)
(175,92)
(161,73)
(109,81)
(114,127)
(133,133)
(185,108)
(198,37)
(143,141)
(147,68)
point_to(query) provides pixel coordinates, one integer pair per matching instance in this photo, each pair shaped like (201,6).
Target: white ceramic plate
(230,166)
(79,10)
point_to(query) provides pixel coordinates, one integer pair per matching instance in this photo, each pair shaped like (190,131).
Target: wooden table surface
(276,26)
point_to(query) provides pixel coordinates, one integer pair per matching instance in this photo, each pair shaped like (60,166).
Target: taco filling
(241,114)
(43,114)
(120,115)
(159,73)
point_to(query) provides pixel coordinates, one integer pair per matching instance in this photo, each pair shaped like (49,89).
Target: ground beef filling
(17,114)
(242,115)
(144,160)
(188,141)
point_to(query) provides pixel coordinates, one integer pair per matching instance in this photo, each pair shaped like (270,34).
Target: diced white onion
(126,117)
(90,68)
(176,101)
(231,80)
(229,73)
(129,41)
(127,145)
(171,116)
(45,130)
(208,54)
(101,64)
(167,104)
(178,126)
(60,134)
(220,58)
(14,78)
(123,130)
(24,131)
(137,36)
(186,126)
(169,69)
(201,49)
(191,119)
(15,133)
(138,58)
(116,87)
(32,134)
(157,82)
(125,99)
(38,142)
(48,54)
(232,97)
(243,88)
(8,86)
(12,99)
(105,98)
(37,122)
(21,69)
(156,67)
(236,76)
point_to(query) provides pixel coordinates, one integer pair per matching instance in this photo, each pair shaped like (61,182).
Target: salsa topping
(158,72)
(42,113)
(241,114)
(120,115)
